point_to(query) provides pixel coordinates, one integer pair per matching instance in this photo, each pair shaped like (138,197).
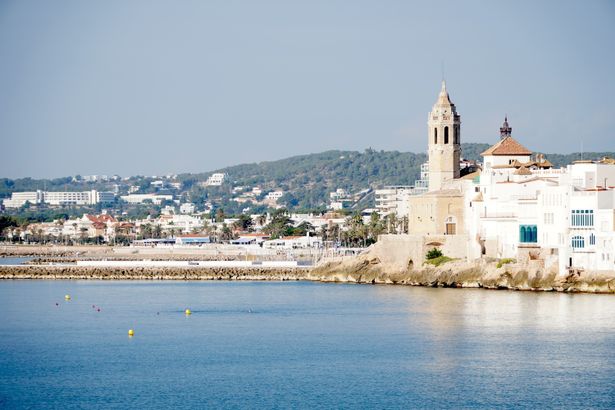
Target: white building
(215,179)
(524,209)
(256,191)
(293,242)
(92,197)
(180,223)
(140,198)
(274,195)
(393,200)
(339,199)
(18,199)
(187,208)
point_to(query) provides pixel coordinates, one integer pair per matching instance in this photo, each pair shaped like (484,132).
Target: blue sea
(301,345)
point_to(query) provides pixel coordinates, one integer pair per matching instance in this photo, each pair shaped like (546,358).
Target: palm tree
(226,233)
(391,223)
(324,233)
(375,226)
(146,231)
(261,220)
(157,231)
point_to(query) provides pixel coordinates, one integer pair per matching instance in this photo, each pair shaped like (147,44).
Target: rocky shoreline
(455,275)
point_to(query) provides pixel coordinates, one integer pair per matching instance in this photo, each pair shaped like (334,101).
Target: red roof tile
(507,146)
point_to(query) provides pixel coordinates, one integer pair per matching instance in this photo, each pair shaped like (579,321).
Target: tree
(391,223)
(280,225)
(261,219)
(243,223)
(219,215)
(375,226)
(146,231)
(6,222)
(225,233)
(303,228)
(357,232)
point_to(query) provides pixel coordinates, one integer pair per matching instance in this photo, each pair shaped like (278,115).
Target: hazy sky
(156,87)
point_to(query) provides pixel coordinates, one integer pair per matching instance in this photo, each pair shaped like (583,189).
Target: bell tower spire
(444,126)
(505,130)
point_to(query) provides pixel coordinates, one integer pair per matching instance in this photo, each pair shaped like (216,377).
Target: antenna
(442,69)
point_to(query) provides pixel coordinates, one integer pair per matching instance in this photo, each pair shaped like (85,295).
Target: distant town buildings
(274,195)
(393,200)
(216,179)
(141,198)
(93,197)
(187,208)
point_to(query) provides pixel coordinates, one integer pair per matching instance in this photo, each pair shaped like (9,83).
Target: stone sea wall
(149,273)
(465,275)
(357,270)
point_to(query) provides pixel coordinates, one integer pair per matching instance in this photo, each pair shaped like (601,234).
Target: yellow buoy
(67,297)
(188,312)
(131,332)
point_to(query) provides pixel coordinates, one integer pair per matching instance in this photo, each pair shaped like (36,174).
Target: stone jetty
(451,275)
(73,272)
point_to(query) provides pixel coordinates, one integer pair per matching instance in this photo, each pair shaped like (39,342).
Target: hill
(305,179)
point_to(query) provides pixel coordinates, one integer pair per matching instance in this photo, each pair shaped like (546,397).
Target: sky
(163,87)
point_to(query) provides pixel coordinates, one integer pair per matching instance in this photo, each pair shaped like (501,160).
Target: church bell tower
(444,125)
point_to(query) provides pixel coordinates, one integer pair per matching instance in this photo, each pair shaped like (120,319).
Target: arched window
(578,242)
(456,136)
(435,135)
(446,135)
(592,239)
(528,234)
(522,234)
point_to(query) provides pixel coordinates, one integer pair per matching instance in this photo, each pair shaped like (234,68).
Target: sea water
(301,345)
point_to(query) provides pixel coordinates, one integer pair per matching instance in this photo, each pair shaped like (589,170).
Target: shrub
(439,260)
(433,254)
(505,261)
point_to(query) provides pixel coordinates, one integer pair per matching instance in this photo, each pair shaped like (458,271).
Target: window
(582,217)
(592,239)
(548,218)
(456,134)
(578,242)
(528,234)
(446,135)
(435,135)
(450,225)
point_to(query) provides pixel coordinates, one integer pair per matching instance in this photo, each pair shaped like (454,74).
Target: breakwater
(73,272)
(450,277)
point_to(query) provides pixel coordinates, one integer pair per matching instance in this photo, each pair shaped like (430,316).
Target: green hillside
(306,179)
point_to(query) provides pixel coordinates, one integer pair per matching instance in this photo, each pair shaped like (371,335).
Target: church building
(440,210)
(517,205)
